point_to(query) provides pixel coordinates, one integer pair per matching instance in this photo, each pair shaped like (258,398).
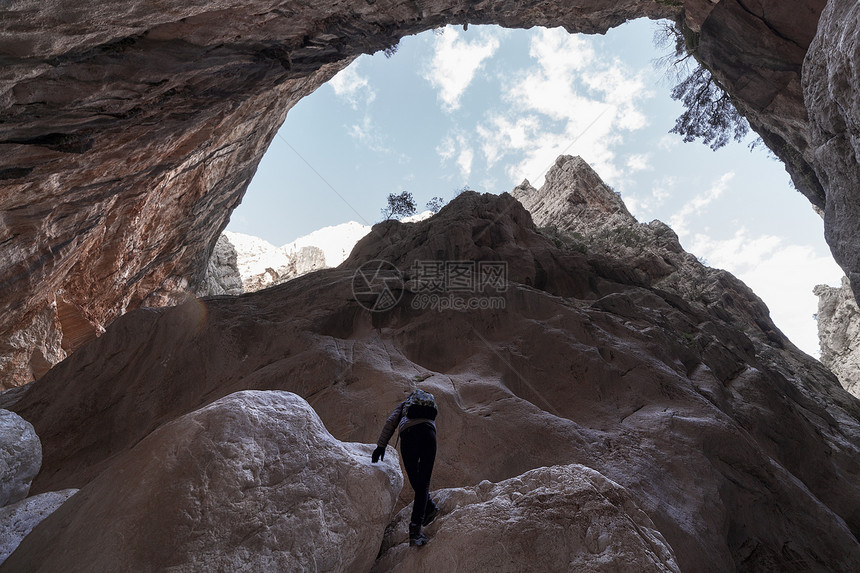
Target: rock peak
(573,197)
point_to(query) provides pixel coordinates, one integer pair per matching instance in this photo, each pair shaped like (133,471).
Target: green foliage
(391,50)
(435,204)
(399,206)
(709,112)
(564,241)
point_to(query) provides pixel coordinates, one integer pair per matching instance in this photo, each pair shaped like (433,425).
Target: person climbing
(414,418)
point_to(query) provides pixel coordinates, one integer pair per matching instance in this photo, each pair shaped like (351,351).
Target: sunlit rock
(560,518)
(17,520)
(839,333)
(20,457)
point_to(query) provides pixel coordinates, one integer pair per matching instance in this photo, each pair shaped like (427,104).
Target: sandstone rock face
(574,200)
(20,457)
(129,137)
(28,353)
(742,451)
(830,80)
(251,482)
(309,259)
(560,518)
(839,333)
(18,519)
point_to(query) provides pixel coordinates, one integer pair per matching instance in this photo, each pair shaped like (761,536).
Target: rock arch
(130,131)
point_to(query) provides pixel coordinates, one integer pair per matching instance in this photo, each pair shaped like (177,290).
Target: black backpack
(420,405)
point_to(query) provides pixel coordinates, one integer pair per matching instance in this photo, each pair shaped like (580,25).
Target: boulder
(560,518)
(20,457)
(18,519)
(251,482)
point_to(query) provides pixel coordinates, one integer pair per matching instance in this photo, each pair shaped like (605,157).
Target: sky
(487,107)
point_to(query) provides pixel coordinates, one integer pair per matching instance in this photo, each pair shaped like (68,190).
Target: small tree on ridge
(399,206)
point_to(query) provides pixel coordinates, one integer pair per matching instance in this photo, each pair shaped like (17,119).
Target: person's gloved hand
(378,454)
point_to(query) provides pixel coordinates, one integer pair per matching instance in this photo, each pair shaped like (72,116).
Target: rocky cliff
(839,333)
(577,210)
(719,444)
(255,264)
(130,132)
(243,263)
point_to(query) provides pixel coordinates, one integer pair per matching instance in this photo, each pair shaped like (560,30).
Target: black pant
(418,448)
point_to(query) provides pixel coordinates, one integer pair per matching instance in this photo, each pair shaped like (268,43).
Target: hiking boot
(430,513)
(417,538)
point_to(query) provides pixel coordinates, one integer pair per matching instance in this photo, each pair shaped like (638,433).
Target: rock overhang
(129,137)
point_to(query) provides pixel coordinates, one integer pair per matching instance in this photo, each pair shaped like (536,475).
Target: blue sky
(488,107)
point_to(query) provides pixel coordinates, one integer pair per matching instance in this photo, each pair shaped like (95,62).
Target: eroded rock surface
(222,272)
(830,86)
(839,333)
(129,136)
(18,519)
(743,451)
(20,457)
(251,482)
(28,353)
(561,518)
(578,211)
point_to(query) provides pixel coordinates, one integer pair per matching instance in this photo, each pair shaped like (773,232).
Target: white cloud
(352,87)
(782,274)
(464,161)
(457,146)
(368,135)
(668,142)
(680,220)
(447,148)
(502,135)
(572,101)
(456,61)
(638,162)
